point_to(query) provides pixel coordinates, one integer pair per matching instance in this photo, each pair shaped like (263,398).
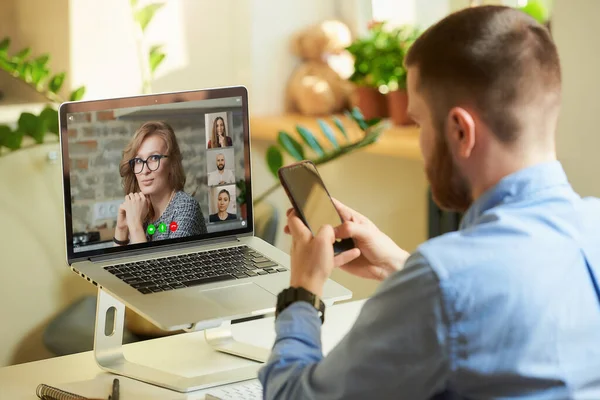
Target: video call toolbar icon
(162,227)
(151,229)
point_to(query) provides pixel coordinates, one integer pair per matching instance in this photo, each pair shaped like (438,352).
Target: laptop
(158,207)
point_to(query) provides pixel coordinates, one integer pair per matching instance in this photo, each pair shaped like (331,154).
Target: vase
(397,104)
(370,102)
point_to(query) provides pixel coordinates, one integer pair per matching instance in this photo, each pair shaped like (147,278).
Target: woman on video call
(153,180)
(219,136)
(222,204)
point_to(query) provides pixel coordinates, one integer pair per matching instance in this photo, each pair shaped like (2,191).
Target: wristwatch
(292,295)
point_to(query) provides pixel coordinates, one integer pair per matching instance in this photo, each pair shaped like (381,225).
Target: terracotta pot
(244,210)
(370,101)
(397,103)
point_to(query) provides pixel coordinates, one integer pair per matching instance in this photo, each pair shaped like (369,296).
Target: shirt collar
(516,186)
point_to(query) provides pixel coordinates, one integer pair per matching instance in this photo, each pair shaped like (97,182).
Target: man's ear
(461,132)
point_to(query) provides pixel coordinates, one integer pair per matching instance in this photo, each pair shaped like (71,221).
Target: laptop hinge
(178,246)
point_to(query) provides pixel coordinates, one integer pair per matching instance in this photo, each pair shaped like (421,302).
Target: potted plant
(379,71)
(390,72)
(367,96)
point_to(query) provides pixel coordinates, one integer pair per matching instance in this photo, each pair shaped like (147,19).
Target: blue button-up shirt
(507,307)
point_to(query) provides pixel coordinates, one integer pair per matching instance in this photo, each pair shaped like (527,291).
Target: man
(221,176)
(508,306)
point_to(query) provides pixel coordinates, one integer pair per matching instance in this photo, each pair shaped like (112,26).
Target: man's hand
(311,257)
(376,256)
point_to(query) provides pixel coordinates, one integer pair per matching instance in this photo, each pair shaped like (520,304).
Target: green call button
(151,229)
(162,227)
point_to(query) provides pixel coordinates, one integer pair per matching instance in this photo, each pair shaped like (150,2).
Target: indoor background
(224,43)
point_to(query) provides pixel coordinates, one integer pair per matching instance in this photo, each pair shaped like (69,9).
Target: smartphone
(311,200)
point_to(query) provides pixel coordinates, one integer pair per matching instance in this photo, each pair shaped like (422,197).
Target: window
(421,13)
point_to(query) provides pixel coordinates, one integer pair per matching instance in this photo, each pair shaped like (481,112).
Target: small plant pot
(397,105)
(370,101)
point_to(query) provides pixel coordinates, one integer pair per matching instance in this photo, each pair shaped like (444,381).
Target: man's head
(484,83)
(220,162)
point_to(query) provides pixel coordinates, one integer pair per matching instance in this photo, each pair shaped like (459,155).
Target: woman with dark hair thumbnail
(219,136)
(223,200)
(155,206)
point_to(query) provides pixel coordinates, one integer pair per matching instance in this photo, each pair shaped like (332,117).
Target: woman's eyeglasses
(152,162)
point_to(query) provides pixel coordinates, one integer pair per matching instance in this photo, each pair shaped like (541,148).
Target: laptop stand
(108,351)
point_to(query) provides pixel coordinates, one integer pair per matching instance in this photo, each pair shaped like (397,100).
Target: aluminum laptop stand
(108,351)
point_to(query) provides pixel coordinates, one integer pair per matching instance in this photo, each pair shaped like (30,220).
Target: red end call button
(173,226)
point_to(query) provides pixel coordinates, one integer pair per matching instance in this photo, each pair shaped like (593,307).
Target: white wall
(208,44)
(576,29)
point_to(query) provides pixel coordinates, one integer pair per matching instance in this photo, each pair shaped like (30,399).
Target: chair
(440,221)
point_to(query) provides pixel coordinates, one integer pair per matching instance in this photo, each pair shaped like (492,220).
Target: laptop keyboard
(177,272)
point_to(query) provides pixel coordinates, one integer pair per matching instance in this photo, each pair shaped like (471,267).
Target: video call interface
(159,172)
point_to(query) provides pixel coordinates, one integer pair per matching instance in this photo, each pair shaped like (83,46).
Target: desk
(184,354)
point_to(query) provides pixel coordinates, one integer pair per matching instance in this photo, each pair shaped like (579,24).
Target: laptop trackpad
(244,298)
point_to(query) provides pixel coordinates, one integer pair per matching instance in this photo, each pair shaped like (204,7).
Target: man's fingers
(289,211)
(346,257)
(297,228)
(351,230)
(345,211)
(326,234)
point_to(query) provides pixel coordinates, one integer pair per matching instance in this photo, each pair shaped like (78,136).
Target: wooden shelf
(397,141)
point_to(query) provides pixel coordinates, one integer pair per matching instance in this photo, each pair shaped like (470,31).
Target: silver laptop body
(92,135)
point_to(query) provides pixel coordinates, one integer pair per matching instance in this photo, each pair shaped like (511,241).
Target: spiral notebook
(46,392)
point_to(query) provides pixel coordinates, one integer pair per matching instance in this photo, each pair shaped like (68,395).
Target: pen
(115,390)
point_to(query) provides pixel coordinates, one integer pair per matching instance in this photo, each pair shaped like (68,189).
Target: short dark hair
(495,59)
(224,191)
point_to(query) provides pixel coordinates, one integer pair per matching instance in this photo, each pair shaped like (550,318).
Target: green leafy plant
(151,58)
(241,191)
(35,73)
(379,56)
(537,10)
(291,145)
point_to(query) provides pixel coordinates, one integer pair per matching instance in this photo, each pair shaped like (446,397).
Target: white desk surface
(185,354)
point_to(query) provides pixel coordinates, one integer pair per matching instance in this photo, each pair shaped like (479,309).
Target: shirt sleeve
(397,348)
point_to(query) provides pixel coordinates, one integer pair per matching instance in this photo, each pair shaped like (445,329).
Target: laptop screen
(155,174)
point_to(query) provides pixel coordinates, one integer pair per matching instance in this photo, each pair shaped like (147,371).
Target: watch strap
(292,294)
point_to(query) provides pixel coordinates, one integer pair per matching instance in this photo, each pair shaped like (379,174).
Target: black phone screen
(311,197)
(312,201)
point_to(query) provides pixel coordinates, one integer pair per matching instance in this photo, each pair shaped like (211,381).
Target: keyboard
(248,390)
(181,271)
